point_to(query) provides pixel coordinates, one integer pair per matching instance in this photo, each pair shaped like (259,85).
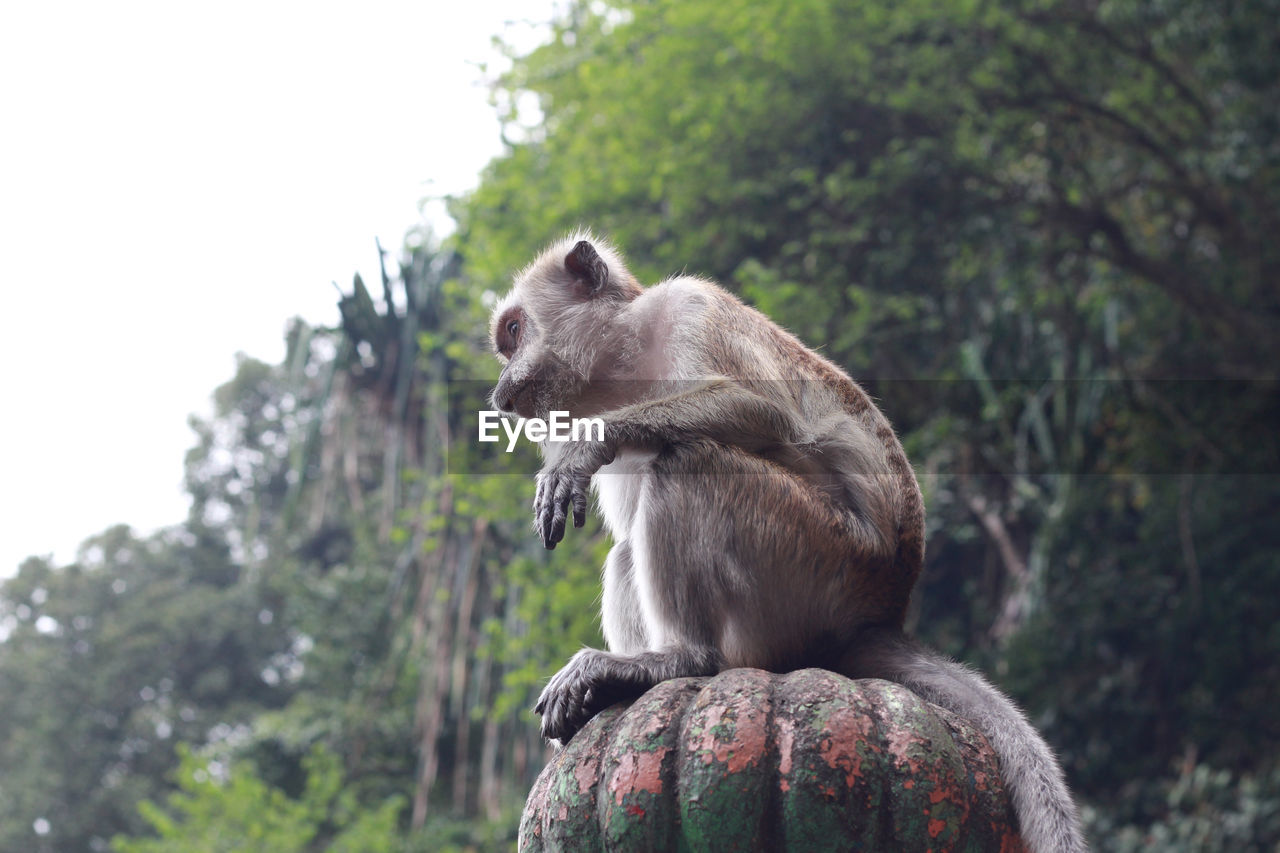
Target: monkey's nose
(499,397)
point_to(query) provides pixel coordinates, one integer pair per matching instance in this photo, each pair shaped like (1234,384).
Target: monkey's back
(726,337)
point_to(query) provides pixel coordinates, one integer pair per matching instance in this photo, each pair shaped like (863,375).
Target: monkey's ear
(586,265)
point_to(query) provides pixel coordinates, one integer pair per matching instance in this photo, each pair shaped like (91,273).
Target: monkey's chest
(620,488)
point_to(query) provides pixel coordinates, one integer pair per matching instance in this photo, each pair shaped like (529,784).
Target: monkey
(762,509)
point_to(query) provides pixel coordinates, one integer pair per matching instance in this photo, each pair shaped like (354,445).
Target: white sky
(176,181)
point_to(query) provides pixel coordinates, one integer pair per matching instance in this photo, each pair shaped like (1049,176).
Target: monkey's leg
(764,565)
(620,614)
(593,680)
(733,561)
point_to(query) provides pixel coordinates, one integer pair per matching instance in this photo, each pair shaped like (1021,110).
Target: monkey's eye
(507,336)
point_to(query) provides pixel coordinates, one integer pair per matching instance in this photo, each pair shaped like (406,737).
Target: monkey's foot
(589,683)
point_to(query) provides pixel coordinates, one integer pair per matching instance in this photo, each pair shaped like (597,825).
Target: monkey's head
(552,331)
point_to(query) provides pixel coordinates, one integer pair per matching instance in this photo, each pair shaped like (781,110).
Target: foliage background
(1041,233)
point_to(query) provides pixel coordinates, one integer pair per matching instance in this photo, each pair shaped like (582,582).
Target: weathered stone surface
(749,760)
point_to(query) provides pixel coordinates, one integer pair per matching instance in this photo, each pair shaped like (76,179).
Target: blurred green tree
(107,664)
(1034,230)
(209,813)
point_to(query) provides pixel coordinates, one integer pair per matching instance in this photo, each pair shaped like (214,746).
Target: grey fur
(763,512)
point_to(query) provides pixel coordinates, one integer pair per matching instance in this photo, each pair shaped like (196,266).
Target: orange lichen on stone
(841,751)
(745,748)
(786,743)
(587,771)
(900,740)
(637,772)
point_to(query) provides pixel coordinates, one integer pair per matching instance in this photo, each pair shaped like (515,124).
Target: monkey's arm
(722,410)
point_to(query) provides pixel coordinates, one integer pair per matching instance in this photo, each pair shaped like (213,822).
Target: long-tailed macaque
(763,511)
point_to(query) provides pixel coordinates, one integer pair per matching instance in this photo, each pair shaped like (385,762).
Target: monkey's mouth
(523,401)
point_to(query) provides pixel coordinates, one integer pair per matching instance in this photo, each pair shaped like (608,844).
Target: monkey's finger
(537,497)
(549,727)
(542,522)
(560,508)
(540,512)
(547,514)
(556,531)
(557,725)
(549,707)
(579,506)
(553,527)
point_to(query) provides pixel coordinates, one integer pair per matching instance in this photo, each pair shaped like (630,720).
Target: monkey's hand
(564,482)
(589,683)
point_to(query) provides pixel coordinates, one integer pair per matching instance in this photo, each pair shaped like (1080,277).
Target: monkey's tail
(1046,813)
